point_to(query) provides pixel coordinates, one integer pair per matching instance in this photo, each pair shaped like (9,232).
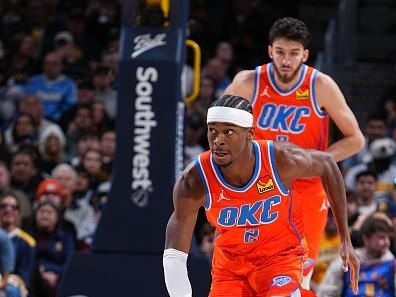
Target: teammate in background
(244,187)
(293,102)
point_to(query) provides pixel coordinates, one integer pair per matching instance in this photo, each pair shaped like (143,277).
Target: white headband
(231,115)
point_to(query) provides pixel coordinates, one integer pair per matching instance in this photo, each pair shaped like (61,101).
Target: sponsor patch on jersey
(265,184)
(302,93)
(281,280)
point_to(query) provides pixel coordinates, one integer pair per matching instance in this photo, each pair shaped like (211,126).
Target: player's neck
(287,86)
(239,173)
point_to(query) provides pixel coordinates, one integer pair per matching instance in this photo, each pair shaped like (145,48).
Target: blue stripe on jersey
(208,202)
(275,174)
(256,84)
(293,88)
(319,112)
(257,168)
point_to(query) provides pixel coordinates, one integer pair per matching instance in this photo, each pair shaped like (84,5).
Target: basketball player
(244,187)
(293,102)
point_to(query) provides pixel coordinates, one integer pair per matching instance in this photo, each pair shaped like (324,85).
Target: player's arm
(188,197)
(331,99)
(294,162)
(242,85)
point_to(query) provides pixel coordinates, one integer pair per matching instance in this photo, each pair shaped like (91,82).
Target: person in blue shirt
(57,91)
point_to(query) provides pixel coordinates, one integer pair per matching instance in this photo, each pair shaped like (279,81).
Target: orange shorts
(256,276)
(314,205)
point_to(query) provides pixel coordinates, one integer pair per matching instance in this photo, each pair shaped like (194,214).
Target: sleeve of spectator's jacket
(7,256)
(332,283)
(26,262)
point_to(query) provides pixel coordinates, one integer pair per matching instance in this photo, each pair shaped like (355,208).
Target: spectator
(24,245)
(103,80)
(82,123)
(51,190)
(328,251)
(100,117)
(52,148)
(92,163)
(71,54)
(77,211)
(225,52)
(99,201)
(375,129)
(25,175)
(4,152)
(206,240)
(382,150)
(216,70)
(57,91)
(32,105)
(7,261)
(206,97)
(194,130)
(5,187)
(54,247)
(367,203)
(85,142)
(108,148)
(83,191)
(377,264)
(23,132)
(20,58)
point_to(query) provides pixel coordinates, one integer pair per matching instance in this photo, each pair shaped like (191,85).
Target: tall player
(293,102)
(243,185)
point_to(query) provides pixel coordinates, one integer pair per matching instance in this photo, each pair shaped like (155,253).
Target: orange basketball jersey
(255,218)
(292,115)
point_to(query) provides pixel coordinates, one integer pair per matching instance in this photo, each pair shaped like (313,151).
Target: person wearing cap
(244,187)
(71,54)
(51,190)
(382,150)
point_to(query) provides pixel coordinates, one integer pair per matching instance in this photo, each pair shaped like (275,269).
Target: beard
(284,78)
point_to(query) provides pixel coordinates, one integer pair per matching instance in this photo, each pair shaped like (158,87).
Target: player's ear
(305,55)
(270,50)
(250,133)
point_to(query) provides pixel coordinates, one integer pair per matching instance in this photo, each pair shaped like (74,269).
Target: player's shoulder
(245,76)
(190,183)
(324,80)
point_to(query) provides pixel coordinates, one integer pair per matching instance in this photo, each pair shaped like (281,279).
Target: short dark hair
(365,173)
(378,116)
(237,102)
(290,28)
(375,224)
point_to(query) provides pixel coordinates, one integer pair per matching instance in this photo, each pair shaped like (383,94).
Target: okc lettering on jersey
(245,215)
(285,118)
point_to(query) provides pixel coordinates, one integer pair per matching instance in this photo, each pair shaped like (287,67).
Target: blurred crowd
(58,100)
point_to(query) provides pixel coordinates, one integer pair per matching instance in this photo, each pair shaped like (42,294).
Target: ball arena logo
(144,43)
(144,121)
(265,184)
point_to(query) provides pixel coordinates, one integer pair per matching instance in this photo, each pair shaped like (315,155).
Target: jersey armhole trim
(314,101)
(271,153)
(208,200)
(256,84)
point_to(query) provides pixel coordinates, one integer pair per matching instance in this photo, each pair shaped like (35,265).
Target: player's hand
(350,261)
